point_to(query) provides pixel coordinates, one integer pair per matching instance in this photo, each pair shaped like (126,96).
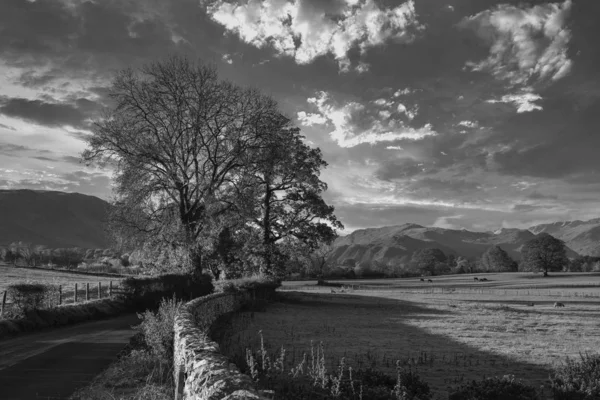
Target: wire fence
(71,294)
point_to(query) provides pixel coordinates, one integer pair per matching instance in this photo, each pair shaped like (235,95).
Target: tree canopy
(544,253)
(429,261)
(495,259)
(205,169)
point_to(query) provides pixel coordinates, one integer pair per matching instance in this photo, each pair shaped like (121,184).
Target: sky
(473,114)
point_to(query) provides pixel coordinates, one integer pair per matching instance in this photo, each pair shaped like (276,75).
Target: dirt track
(53,364)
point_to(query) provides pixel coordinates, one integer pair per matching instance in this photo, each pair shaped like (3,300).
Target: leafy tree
(544,253)
(179,138)
(495,259)
(429,261)
(584,264)
(284,183)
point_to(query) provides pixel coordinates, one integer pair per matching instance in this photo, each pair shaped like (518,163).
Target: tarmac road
(53,364)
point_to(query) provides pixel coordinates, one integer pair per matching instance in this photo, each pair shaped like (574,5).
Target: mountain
(54,219)
(396,244)
(581,236)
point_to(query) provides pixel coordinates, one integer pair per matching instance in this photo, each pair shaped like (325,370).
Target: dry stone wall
(201,371)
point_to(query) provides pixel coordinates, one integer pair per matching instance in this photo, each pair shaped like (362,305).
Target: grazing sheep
(422,280)
(483,280)
(476,279)
(558,304)
(429,280)
(530,304)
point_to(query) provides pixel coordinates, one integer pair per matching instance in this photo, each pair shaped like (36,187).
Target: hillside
(581,236)
(396,244)
(54,219)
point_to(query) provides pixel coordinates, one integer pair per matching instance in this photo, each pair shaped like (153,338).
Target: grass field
(452,330)
(10,275)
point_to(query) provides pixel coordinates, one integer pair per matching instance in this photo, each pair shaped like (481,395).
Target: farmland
(452,330)
(10,275)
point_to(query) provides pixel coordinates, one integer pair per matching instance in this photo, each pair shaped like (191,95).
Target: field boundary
(70,271)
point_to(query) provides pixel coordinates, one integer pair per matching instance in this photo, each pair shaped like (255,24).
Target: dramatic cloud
(526,45)
(346,132)
(306,30)
(49,114)
(525,101)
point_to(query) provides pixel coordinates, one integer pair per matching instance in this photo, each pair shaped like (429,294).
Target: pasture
(452,330)
(10,275)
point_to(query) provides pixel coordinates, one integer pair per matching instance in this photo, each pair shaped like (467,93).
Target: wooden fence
(74,293)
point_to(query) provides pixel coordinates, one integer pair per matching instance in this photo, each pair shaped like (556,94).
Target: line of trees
(209,176)
(544,254)
(32,255)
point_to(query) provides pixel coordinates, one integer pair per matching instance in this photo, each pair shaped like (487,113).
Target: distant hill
(54,219)
(396,244)
(581,236)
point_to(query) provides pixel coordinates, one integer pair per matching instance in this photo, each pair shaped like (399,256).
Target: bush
(578,380)
(259,286)
(149,291)
(158,329)
(505,388)
(32,296)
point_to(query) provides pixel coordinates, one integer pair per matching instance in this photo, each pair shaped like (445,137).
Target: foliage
(158,329)
(544,253)
(429,261)
(209,175)
(505,388)
(149,291)
(578,380)
(585,264)
(495,259)
(32,296)
(310,379)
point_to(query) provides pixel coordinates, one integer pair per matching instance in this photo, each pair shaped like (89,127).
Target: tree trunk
(545,272)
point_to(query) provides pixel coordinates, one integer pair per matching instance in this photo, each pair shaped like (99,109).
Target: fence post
(87,291)
(110,289)
(75,293)
(59,295)
(3,303)
(99,291)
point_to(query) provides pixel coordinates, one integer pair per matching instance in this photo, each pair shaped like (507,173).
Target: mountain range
(51,218)
(58,219)
(396,244)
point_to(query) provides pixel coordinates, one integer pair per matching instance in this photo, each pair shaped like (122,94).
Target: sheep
(483,280)
(530,304)
(476,279)
(333,291)
(558,304)
(429,280)
(422,280)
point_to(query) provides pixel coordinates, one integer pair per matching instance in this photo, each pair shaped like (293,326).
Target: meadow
(451,331)
(10,275)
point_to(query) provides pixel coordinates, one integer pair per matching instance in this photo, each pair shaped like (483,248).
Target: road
(53,364)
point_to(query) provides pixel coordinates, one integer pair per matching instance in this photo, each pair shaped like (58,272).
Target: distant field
(453,330)
(10,275)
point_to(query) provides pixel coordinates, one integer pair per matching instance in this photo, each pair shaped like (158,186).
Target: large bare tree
(180,139)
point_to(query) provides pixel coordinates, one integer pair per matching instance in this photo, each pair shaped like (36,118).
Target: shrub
(158,329)
(578,380)
(149,291)
(32,296)
(262,287)
(505,388)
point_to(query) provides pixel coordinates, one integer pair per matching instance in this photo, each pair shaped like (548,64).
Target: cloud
(444,222)
(49,114)
(227,58)
(306,30)
(525,101)
(310,119)
(469,124)
(527,207)
(526,44)
(535,195)
(347,134)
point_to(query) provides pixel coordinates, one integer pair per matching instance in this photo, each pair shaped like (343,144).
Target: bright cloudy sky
(473,114)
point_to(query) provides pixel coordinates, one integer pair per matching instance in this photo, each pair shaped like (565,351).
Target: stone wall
(201,371)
